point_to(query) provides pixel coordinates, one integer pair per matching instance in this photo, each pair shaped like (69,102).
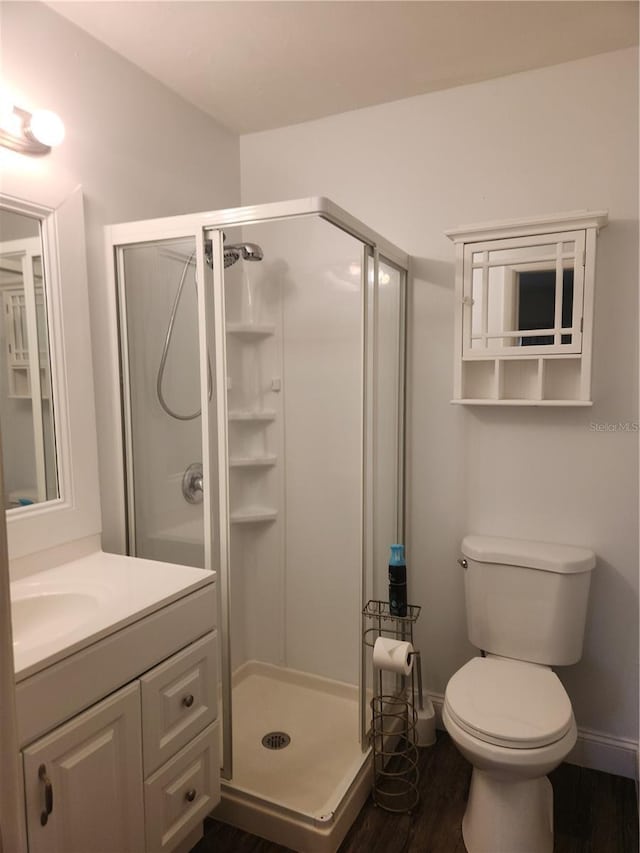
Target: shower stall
(262,372)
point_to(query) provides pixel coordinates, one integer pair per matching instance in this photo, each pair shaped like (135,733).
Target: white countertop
(59,611)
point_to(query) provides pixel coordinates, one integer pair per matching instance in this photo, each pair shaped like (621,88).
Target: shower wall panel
(323,347)
(295,581)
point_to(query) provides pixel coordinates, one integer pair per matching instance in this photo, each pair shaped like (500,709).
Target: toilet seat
(509,703)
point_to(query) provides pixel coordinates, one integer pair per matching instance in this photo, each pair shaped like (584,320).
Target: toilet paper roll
(393,656)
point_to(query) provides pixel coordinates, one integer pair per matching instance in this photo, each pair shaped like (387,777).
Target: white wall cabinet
(137,771)
(524,310)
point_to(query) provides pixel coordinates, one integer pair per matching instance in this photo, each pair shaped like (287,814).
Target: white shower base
(306,795)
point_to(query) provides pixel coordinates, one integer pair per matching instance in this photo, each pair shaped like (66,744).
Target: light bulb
(46,127)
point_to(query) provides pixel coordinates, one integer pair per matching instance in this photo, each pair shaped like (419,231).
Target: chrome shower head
(250,251)
(233,253)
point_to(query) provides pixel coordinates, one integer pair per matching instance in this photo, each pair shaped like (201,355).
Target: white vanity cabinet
(137,771)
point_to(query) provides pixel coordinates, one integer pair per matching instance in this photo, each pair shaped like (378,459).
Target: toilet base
(508,816)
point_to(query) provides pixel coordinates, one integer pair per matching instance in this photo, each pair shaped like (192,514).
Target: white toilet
(507,712)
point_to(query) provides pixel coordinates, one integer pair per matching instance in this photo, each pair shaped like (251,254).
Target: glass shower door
(294,421)
(158,296)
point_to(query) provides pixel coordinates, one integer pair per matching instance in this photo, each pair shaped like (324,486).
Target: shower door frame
(212,338)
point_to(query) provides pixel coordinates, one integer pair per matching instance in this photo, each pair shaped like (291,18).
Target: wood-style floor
(593,813)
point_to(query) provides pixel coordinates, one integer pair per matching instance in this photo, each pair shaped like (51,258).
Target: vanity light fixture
(30,133)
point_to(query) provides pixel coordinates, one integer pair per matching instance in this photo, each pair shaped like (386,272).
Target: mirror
(525,297)
(53,451)
(26,401)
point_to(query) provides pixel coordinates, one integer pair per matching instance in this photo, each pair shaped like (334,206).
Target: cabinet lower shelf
(523,381)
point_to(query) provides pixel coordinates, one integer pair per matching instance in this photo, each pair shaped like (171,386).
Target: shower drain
(276,740)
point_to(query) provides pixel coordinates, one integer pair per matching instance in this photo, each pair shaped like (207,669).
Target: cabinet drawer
(178,700)
(179,795)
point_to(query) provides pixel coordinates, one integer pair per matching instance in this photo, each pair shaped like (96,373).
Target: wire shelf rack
(393,725)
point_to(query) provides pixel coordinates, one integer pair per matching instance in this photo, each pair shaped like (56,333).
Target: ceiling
(259,64)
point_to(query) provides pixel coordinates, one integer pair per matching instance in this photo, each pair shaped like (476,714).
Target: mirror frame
(75,514)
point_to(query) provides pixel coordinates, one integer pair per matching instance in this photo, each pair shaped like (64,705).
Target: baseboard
(598,751)
(593,750)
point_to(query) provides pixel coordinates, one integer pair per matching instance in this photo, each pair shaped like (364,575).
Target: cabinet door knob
(188,700)
(190,795)
(48,794)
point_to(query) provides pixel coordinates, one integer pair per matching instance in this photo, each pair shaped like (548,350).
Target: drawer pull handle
(188,701)
(190,795)
(48,794)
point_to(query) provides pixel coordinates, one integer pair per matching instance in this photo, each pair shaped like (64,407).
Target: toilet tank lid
(564,559)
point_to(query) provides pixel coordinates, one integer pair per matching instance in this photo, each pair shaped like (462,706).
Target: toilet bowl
(513,722)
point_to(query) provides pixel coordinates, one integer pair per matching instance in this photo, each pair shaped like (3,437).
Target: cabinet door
(523,296)
(93,764)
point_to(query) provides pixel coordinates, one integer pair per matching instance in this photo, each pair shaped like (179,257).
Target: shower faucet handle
(193,484)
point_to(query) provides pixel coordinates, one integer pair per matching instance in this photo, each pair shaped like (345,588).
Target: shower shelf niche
(254,515)
(250,330)
(245,459)
(253,461)
(249,416)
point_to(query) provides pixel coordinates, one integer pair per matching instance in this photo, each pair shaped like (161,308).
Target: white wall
(551,140)
(138,150)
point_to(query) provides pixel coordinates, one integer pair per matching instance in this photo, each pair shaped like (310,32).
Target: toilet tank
(527,600)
